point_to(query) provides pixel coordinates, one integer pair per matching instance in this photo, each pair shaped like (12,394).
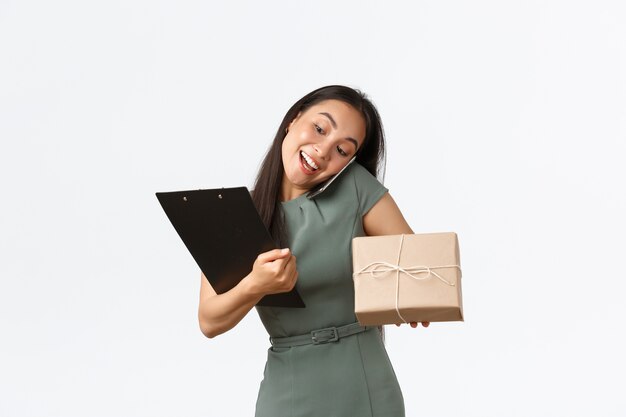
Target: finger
(274,254)
(288,264)
(291,270)
(284,262)
(425,323)
(413,324)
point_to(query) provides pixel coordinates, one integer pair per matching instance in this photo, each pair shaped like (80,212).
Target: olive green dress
(349,377)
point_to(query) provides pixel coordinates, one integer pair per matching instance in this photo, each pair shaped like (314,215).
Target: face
(319,143)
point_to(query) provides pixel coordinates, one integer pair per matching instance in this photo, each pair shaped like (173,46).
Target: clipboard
(224,233)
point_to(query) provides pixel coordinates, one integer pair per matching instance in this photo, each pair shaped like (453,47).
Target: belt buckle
(319,340)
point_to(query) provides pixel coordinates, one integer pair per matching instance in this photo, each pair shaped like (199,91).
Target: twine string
(380,269)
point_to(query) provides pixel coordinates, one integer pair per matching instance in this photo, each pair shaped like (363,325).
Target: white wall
(506,122)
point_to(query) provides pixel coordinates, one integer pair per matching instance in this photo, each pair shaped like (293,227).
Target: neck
(289,191)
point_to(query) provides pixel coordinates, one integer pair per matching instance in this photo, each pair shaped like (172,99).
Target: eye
(341,151)
(319,129)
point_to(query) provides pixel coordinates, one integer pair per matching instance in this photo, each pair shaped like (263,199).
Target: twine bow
(382,268)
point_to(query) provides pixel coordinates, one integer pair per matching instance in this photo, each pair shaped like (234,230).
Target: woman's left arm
(385,218)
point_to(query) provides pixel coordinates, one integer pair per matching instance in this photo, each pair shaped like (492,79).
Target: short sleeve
(369,189)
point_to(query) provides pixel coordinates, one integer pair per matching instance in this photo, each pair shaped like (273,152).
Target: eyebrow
(332,122)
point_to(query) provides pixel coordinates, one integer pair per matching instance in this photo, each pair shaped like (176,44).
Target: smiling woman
(317,147)
(321,361)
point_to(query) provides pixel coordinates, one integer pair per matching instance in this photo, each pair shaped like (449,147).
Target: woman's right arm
(273,272)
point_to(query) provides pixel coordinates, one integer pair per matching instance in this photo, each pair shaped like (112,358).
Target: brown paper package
(424,297)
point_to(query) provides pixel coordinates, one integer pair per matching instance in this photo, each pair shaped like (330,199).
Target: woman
(321,362)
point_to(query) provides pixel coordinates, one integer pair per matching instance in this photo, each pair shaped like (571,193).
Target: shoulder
(364,187)
(360,177)
(354,176)
(356,169)
(363,177)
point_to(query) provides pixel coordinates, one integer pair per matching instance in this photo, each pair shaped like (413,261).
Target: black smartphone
(317,190)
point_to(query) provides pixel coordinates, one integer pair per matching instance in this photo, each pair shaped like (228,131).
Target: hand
(414,324)
(273,272)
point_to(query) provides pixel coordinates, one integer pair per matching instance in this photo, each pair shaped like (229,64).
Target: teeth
(309,161)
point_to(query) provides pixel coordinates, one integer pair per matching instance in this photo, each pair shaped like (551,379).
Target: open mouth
(307,162)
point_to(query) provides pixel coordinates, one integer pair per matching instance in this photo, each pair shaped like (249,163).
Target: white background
(505,121)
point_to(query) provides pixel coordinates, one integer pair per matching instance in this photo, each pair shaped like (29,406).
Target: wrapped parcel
(405,278)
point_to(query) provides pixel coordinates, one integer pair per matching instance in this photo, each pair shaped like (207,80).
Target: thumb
(273,255)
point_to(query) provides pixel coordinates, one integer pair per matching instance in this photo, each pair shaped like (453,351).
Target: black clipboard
(224,233)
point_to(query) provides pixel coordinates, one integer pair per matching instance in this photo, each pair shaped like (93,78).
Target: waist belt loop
(319,336)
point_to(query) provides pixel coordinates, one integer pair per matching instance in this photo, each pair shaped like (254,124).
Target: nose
(322,150)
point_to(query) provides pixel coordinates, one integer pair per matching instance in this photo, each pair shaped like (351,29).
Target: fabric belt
(319,336)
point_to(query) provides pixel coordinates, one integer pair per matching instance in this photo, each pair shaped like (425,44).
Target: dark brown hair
(370,155)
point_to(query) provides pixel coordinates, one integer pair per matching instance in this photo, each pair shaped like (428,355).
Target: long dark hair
(370,155)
